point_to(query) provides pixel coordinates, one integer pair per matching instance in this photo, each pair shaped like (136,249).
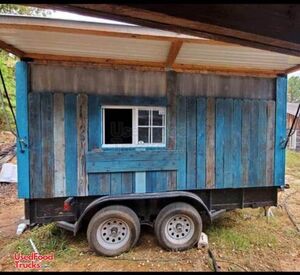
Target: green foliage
(294,89)
(7,66)
(13,9)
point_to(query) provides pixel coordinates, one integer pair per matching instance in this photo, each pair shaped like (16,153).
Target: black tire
(113,230)
(167,229)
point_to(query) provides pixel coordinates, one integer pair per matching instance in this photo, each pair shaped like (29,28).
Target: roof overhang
(272,27)
(42,39)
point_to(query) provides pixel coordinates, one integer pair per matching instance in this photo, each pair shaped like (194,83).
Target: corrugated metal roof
(231,55)
(39,38)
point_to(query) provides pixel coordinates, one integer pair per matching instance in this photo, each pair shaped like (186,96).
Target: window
(134,126)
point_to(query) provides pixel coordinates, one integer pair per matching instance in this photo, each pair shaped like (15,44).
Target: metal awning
(135,46)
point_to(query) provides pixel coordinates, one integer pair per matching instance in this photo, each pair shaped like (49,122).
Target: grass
(293,163)
(48,238)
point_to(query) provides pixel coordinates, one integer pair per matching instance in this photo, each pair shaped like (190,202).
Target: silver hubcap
(113,233)
(179,229)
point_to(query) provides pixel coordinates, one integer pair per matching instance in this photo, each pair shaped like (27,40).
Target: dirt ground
(241,240)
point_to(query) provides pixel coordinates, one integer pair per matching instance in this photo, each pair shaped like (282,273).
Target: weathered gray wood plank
(82,143)
(210,143)
(59,146)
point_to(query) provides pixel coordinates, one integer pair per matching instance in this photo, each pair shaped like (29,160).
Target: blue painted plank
(132,166)
(181,142)
(150,181)
(262,143)
(246,120)
(47,126)
(116,183)
(201,142)
(94,123)
(228,154)
(191,143)
(133,155)
(236,136)
(140,183)
(161,183)
(35,146)
(22,122)
(280,130)
(220,134)
(71,144)
(136,100)
(94,184)
(253,144)
(128,180)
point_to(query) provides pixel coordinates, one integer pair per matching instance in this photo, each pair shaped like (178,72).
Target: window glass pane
(157,118)
(144,118)
(157,135)
(118,126)
(143,136)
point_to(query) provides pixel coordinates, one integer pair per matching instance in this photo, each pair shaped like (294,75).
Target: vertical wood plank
(116,183)
(237,143)
(23,168)
(280,130)
(270,143)
(150,178)
(246,142)
(71,144)
(35,146)
(82,143)
(172,180)
(228,146)
(201,142)
(47,144)
(94,184)
(210,143)
(94,139)
(95,122)
(191,143)
(141,182)
(219,143)
(262,143)
(59,146)
(161,181)
(105,183)
(127,182)
(171,109)
(181,142)
(171,82)
(253,178)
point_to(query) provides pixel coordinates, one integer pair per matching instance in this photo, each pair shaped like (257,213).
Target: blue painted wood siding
(219,143)
(22,122)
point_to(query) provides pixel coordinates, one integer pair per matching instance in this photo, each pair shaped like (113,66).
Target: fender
(178,195)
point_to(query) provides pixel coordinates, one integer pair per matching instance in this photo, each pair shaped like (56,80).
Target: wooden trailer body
(222,132)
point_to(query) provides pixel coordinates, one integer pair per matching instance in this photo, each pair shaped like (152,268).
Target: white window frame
(135,110)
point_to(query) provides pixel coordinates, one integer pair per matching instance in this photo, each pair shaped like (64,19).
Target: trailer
(122,126)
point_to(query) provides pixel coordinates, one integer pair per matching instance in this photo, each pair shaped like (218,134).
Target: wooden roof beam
(154,66)
(173,53)
(293,69)
(11,49)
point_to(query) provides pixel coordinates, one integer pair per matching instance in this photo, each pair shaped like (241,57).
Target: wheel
(178,226)
(113,230)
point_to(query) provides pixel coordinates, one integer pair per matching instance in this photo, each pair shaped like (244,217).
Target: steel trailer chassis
(210,203)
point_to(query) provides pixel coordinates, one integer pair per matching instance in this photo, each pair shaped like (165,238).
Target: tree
(8,61)
(294,89)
